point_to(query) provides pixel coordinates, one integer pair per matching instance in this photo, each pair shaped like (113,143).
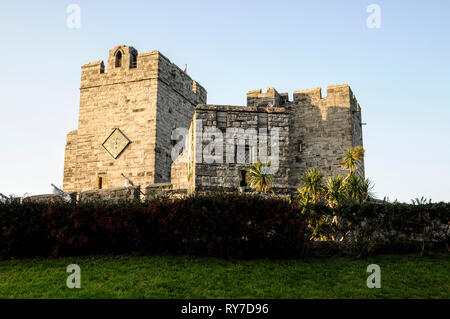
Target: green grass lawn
(402,276)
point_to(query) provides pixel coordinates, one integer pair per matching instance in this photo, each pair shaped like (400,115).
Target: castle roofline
(240,108)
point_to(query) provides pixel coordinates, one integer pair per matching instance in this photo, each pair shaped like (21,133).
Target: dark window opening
(100,182)
(118,59)
(133,60)
(299,147)
(243,182)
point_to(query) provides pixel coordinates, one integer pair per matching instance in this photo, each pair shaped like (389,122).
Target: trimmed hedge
(224,225)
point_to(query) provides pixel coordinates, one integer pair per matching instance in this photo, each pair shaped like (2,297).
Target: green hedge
(223,225)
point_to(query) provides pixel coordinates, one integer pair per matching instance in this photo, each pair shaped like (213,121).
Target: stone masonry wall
(123,98)
(135,98)
(228,176)
(178,95)
(70,166)
(322,129)
(316,132)
(113,195)
(183,167)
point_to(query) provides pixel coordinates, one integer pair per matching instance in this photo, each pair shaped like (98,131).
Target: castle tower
(126,117)
(323,129)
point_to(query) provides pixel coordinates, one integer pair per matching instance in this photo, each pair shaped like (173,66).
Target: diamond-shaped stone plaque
(116,143)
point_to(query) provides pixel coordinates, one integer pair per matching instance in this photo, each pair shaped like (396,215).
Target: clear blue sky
(400,73)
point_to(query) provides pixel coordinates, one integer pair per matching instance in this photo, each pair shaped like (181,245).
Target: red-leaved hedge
(223,225)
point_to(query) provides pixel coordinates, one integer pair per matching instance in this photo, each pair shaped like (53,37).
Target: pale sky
(400,73)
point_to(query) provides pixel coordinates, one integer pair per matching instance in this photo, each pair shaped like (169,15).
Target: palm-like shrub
(313,189)
(420,201)
(334,188)
(352,158)
(257,180)
(338,189)
(356,188)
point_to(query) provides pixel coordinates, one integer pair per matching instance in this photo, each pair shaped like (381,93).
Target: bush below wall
(371,227)
(226,226)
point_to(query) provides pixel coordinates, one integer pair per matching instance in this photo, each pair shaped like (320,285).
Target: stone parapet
(113,195)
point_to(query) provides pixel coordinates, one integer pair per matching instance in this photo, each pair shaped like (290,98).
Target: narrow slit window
(299,147)
(118,59)
(100,182)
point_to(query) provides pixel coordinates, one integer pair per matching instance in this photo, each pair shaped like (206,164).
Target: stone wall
(180,175)
(322,129)
(270,98)
(70,161)
(183,167)
(44,198)
(164,190)
(178,95)
(114,195)
(226,172)
(314,132)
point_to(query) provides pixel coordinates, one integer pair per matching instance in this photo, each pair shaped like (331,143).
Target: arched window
(118,59)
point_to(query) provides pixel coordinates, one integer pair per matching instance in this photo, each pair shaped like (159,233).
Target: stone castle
(128,115)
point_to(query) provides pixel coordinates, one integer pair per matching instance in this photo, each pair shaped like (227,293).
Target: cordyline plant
(313,189)
(337,189)
(257,180)
(334,186)
(352,158)
(354,187)
(334,192)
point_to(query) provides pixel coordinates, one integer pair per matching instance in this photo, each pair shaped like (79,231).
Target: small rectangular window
(100,182)
(299,147)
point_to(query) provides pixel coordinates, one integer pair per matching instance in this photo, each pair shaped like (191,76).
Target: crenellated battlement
(270,98)
(122,57)
(338,93)
(125,64)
